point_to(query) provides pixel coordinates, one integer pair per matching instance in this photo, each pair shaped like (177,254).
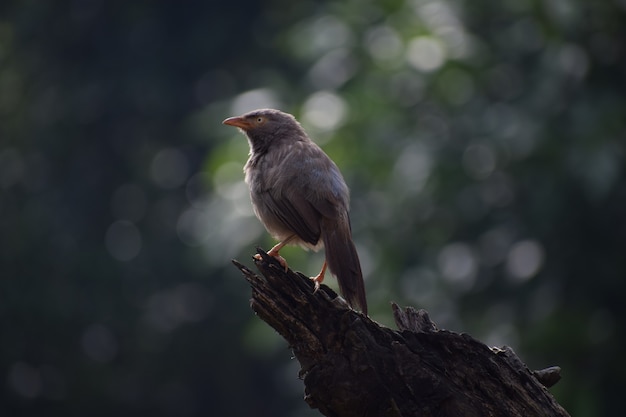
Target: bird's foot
(275,255)
(317,280)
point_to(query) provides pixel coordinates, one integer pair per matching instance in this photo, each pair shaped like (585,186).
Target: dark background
(483,143)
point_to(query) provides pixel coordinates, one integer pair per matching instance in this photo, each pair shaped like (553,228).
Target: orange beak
(239,122)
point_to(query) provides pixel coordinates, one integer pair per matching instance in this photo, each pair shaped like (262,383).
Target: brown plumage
(300,196)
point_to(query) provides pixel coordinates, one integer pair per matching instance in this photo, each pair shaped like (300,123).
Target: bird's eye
(259,119)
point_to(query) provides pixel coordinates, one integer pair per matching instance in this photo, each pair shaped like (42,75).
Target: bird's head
(267,126)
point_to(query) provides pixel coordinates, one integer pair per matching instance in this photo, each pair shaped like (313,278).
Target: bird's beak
(239,122)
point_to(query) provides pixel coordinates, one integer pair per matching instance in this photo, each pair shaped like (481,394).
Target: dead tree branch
(352,366)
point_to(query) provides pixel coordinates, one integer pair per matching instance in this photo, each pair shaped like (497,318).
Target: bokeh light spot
(324,111)
(319,36)
(25,380)
(524,260)
(573,60)
(169,168)
(412,169)
(333,69)
(255,99)
(426,53)
(383,43)
(99,343)
(194,226)
(479,161)
(229,185)
(436,14)
(457,265)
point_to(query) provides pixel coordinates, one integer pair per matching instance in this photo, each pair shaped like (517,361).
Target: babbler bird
(300,196)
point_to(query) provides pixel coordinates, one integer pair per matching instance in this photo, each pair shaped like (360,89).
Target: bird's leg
(274,252)
(319,278)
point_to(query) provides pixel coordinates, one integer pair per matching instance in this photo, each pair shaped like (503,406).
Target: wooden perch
(352,366)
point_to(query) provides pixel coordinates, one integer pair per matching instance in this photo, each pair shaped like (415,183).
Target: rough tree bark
(352,366)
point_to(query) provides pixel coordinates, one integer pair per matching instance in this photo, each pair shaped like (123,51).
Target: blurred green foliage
(483,143)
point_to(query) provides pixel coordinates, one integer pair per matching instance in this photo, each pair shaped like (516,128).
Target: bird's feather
(343,262)
(297,214)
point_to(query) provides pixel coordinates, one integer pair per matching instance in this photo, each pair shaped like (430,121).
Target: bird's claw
(276,256)
(317,280)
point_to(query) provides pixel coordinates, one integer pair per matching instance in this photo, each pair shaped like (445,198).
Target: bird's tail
(343,262)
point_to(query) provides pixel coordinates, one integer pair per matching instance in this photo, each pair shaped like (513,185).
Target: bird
(300,196)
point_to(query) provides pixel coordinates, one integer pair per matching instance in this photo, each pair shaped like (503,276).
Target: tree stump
(352,366)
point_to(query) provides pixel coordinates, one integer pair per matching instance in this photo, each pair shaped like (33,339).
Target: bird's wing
(302,199)
(297,213)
